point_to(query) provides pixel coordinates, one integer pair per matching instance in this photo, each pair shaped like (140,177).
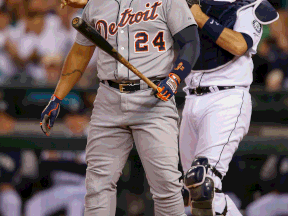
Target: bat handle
(151,84)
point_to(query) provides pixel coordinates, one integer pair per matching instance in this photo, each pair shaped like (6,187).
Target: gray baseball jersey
(141,31)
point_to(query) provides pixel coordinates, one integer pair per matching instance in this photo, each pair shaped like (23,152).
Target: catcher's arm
(232,41)
(226,38)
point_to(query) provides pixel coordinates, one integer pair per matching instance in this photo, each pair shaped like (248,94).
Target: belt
(204,90)
(128,86)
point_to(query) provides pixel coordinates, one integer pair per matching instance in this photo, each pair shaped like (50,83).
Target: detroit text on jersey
(128,18)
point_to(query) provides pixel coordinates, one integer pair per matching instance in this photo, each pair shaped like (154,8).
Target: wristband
(213,29)
(248,40)
(55,99)
(181,68)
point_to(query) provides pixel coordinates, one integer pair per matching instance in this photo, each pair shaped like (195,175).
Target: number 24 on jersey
(142,39)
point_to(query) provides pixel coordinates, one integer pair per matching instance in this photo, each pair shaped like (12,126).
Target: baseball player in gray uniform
(218,106)
(125,109)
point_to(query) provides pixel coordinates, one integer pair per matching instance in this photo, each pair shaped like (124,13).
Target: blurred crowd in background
(35,37)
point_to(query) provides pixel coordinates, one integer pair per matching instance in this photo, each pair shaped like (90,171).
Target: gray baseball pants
(118,120)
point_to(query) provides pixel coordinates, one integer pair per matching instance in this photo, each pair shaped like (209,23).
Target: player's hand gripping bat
(90,33)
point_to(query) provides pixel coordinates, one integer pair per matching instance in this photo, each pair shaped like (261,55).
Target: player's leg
(156,139)
(159,158)
(222,125)
(107,151)
(188,136)
(187,143)
(106,155)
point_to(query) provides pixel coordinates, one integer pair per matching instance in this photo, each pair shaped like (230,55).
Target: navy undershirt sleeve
(189,50)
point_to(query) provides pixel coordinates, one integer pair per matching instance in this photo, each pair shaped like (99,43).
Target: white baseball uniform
(142,32)
(214,123)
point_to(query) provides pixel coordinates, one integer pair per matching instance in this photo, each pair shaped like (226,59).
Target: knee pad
(201,187)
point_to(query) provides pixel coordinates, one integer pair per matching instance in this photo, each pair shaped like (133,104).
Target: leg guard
(201,188)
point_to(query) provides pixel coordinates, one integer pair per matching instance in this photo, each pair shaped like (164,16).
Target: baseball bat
(90,33)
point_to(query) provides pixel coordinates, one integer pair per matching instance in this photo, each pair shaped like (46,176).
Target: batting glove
(50,114)
(167,88)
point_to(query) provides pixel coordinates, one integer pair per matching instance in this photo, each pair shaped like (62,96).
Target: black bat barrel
(93,35)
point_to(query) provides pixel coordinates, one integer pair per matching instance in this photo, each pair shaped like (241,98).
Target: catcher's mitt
(192,2)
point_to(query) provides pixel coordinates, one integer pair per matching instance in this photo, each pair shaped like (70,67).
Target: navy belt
(126,87)
(204,90)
